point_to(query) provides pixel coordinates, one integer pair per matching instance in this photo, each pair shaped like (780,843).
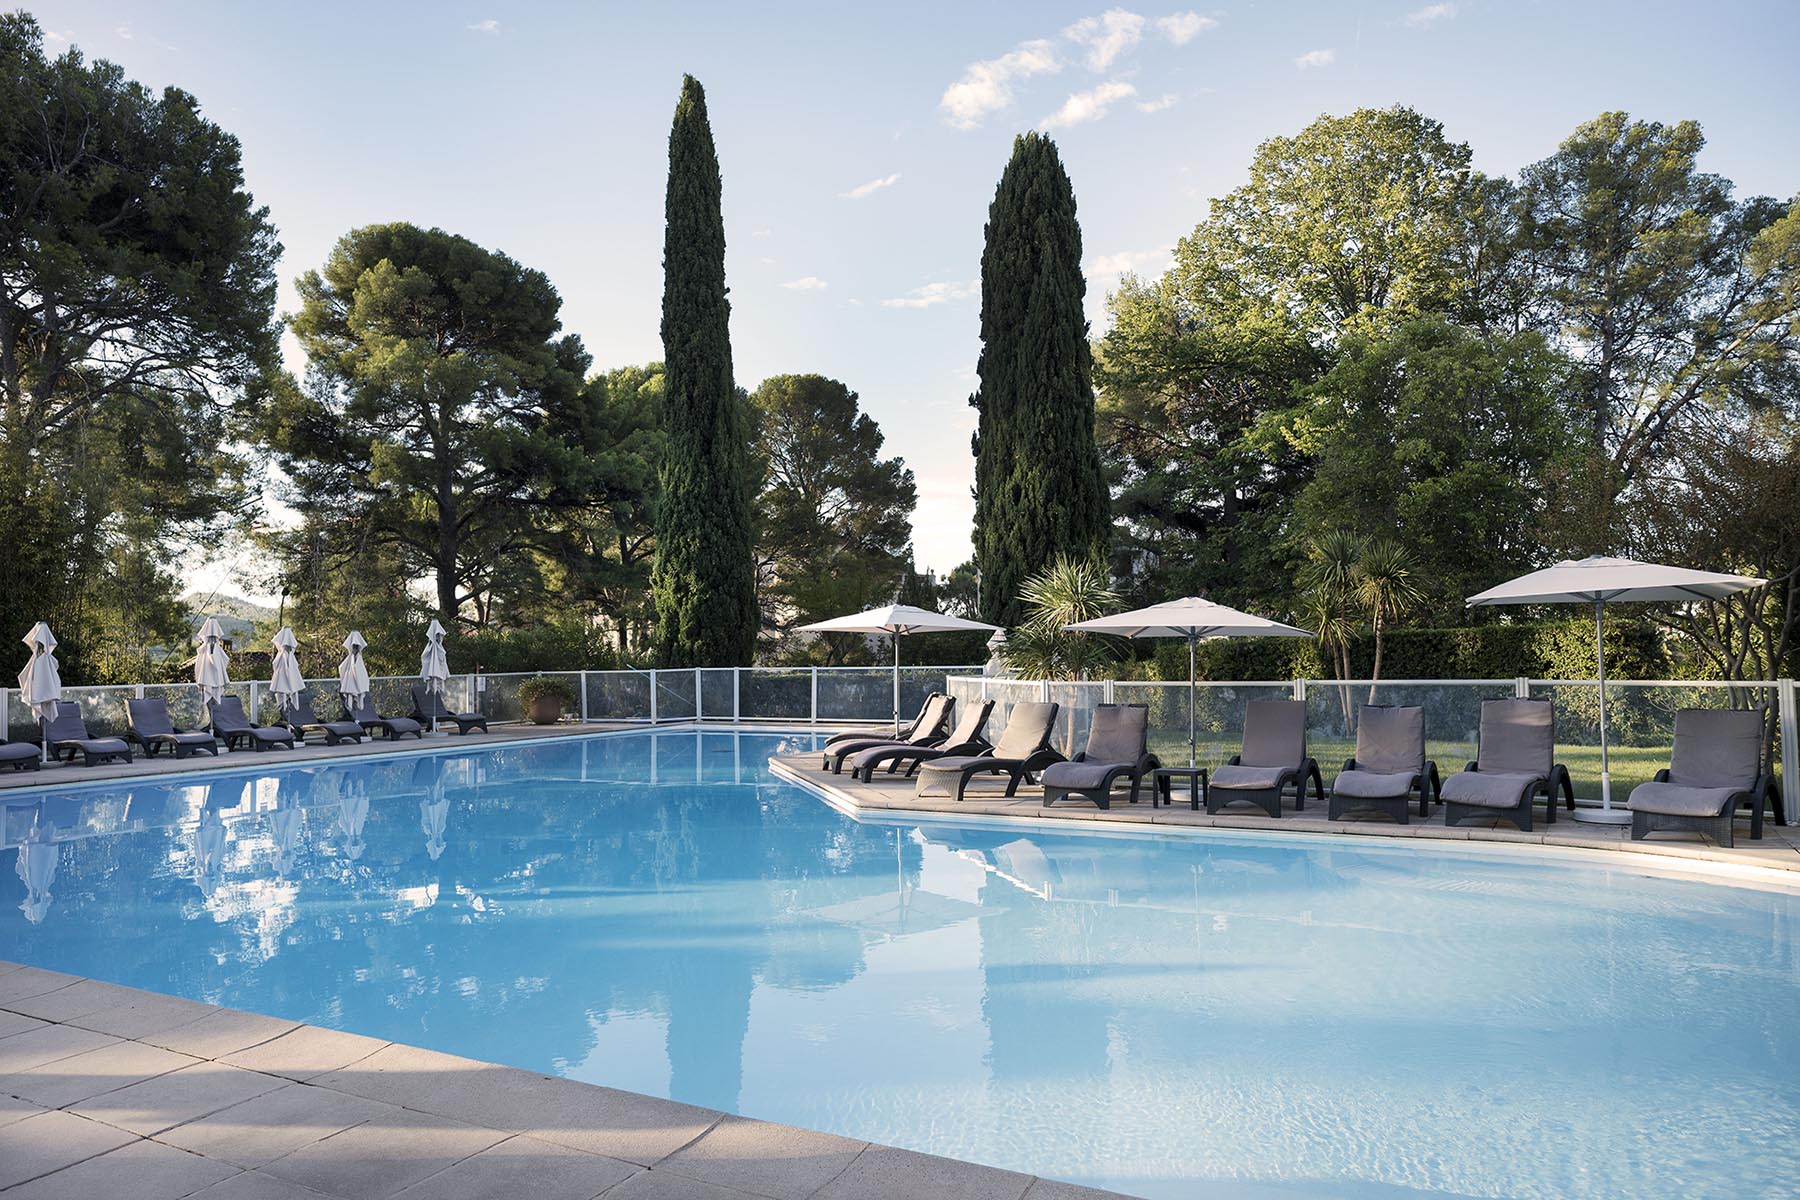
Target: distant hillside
(237,616)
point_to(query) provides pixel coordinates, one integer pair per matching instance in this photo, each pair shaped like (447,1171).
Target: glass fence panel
(773,694)
(498,695)
(618,696)
(867,694)
(1452,716)
(674,696)
(1218,716)
(1075,714)
(1005,693)
(1640,726)
(718,693)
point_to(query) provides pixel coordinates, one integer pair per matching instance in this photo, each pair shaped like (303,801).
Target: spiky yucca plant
(1069,590)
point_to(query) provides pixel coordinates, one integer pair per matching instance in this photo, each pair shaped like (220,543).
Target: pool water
(1169,1016)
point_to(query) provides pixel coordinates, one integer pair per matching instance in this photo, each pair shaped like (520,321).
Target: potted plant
(544,699)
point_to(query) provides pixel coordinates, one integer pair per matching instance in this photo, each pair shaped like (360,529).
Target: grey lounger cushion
(1489,789)
(1373,785)
(17,751)
(1674,800)
(1242,778)
(1717,754)
(1077,775)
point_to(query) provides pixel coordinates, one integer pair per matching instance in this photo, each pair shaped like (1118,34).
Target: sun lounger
(230,723)
(1715,766)
(428,706)
(928,730)
(1390,764)
(1021,752)
(925,710)
(300,717)
(152,728)
(67,735)
(394,727)
(966,738)
(1274,756)
(1515,762)
(20,756)
(1117,748)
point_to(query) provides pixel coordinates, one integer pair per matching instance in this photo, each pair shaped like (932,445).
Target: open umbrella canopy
(898,620)
(1596,580)
(285,681)
(40,683)
(353,673)
(212,666)
(434,663)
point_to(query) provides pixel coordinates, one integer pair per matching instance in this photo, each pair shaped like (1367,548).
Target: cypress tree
(1039,490)
(703,580)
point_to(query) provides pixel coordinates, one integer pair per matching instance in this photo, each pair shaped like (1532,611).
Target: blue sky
(860,143)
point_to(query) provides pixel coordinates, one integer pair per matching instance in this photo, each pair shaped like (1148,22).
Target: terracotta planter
(546,710)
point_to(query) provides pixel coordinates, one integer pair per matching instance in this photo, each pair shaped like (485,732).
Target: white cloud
(488,26)
(986,86)
(1182,28)
(932,293)
(124,32)
(762,233)
(50,35)
(1166,100)
(806,283)
(1106,36)
(1431,14)
(766,261)
(1089,105)
(1316,58)
(1127,260)
(870,188)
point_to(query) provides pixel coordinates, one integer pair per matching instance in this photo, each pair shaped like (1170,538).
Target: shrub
(541,686)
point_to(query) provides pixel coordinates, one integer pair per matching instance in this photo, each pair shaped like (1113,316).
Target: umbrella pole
(896,683)
(1606,814)
(1192,738)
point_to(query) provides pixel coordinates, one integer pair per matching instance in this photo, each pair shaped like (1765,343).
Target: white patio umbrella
(1195,620)
(212,666)
(1596,580)
(353,673)
(434,664)
(897,620)
(40,683)
(39,855)
(285,680)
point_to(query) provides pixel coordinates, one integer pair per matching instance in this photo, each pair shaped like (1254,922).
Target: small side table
(1163,785)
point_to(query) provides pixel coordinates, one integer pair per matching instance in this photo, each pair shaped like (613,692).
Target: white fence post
(1300,689)
(699,704)
(815,696)
(653,695)
(5,713)
(584,702)
(737,693)
(1522,688)
(1788,705)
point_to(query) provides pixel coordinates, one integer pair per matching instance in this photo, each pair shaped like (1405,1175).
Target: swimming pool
(1253,1016)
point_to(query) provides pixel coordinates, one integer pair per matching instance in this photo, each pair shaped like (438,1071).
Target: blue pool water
(1175,1016)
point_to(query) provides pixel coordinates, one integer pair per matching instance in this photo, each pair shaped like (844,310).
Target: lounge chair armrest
(1233,760)
(1431,777)
(1559,778)
(1349,765)
(1661,776)
(1470,766)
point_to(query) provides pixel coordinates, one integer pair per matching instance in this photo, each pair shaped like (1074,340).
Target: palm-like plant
(1387,585)
(1067,591)
(1330,601)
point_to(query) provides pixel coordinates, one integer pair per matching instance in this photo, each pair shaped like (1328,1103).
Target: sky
(860,144)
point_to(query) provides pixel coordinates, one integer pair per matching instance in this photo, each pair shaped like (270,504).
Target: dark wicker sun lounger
(1715,765)
(67,736)
(152,728)
(966,738)
(1117,748)
(20,756)
(1274,756)
(428,706)
(300,717)
(230,723)
(1023,750)
(900,736)
(394,727)
(1390,764)
(928,730)
(1515,763)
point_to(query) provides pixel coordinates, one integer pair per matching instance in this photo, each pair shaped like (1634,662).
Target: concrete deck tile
(222,1031)
(382,1156)
(660,1185)
(141,1171)
(554,1173)
(45,1044)
(31,981)
(266,1127)
(12,1022)
(144,1013)
(254,1185)
(51,1141)
(883,1172)
(177,1098)
(79,1077)
(12,1109)
(84,996)
(780,1161)
(1052,1189)
(7,966)
(305,1052)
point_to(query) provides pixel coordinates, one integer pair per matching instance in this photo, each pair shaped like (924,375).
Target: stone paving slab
(229,1105)
(1778,851)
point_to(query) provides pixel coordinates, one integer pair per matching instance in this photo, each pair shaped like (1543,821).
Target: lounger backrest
(228,713)
(362,712)
(1518,737)
(1717,748)
(931,720)
(66,725)
(974,720)
(1119,733)
(924,709)
(1028,730)
(1390,739)
(1274,733)
(428,703)
(149,716)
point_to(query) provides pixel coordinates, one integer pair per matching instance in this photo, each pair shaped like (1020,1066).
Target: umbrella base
(1603,816)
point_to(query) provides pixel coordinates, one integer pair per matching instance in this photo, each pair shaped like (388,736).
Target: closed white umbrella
(212,666)
(40,683)
(39,856)
(434,664)
(899,620)
(285,680)
(1596,580)
(1195,620)
(353,673)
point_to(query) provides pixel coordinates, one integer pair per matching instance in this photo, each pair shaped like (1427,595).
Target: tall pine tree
(1038,484)
(704,578)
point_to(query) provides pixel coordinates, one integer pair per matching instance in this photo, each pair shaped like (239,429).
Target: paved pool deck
(1773,860)
(109,1091)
